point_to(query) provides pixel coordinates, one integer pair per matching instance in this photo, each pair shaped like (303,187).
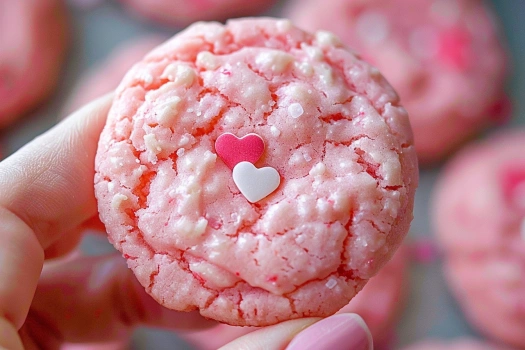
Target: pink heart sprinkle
(455,48)
(234,150)
(513,187)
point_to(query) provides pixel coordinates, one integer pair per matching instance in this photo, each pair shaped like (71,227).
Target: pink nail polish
(342,332)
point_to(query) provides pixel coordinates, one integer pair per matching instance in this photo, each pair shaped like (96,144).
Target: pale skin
(49,292)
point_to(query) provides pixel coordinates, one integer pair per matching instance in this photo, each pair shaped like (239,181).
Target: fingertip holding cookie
(341,331)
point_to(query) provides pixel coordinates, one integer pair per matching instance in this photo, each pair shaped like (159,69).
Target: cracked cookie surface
(333,129)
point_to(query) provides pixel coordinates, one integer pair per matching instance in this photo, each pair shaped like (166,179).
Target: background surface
(431,310)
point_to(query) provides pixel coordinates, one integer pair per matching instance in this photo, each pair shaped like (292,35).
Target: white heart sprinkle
(255,184)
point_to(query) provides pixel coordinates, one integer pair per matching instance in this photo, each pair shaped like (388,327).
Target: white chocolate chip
(295,110)
(151,143)
(318,169)
(180,152)
(275,132)
(305,68)
(165,89)
(117,200)
(215,34)
(213,274)
(326,74)
(180,74)
(146,77)
(298,93)
(207,60)
(331,283)
(200,226)
(184,140)
(341,202)
(283,25)
(325,38)
(275,61)
(188,229)
(314,53)
(168,110)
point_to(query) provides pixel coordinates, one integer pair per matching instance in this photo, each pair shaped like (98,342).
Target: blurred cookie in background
(479,218)
(184,12)
(456,344)
(444,57)
(106,76)
(33,41)
(85,4)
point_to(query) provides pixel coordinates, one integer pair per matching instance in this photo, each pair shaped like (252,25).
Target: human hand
(341,332)
(46,202)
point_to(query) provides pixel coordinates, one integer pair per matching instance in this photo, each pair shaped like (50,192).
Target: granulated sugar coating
(347,167)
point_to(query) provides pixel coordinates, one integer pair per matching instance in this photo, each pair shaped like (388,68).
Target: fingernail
(341,331)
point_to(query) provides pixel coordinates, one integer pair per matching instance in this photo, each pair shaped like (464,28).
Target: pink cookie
(33,42)
(442,56)
(334,134)
(479,216)
(378,303)
(184,12)
(459,344)
(106,76)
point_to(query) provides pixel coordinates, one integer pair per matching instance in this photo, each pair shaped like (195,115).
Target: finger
(341,331)
(94,223)
(273,337)
(99,299)
(64,246)
(47,181)
(214,338)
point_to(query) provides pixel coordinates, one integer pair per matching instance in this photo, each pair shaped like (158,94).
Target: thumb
(341,331)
